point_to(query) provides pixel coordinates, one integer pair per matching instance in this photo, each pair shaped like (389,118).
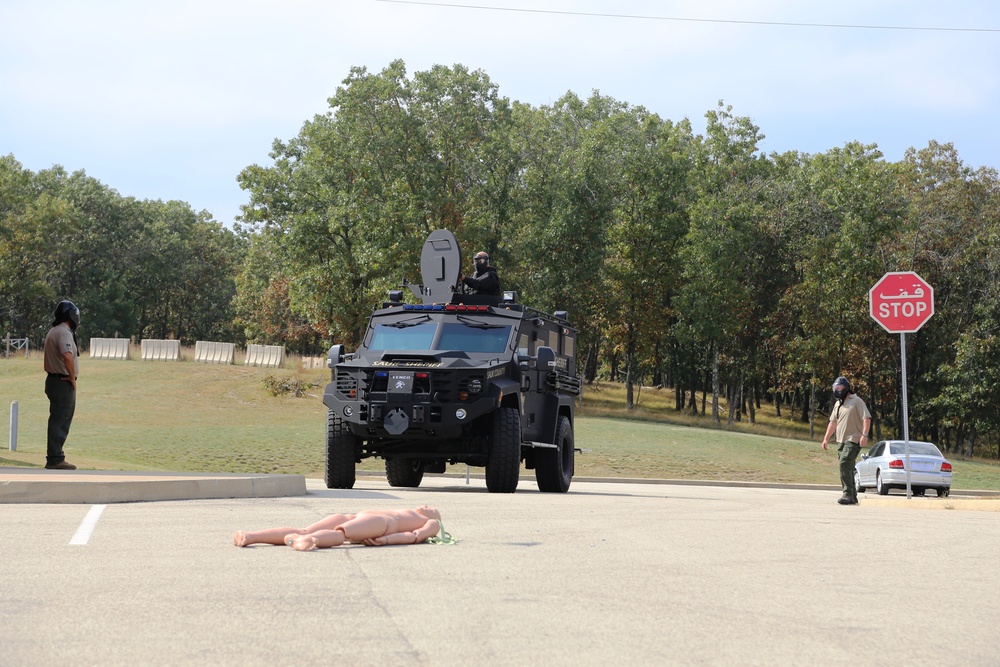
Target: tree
(846,212)
(354,195)
(724,244)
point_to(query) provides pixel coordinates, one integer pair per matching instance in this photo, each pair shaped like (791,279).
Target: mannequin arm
(429,529)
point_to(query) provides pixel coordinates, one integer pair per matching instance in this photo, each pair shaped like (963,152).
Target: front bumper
(409,420)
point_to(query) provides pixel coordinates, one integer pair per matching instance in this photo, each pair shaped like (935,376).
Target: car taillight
(945,467)
(896,463)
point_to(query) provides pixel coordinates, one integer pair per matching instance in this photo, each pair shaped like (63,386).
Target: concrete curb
(37,485)
(955,493)
(33,485)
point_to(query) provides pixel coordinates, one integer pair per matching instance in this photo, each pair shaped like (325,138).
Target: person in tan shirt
(851,422)
(61,362)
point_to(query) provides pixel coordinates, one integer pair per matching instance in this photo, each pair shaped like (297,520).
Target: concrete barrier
(161,350)
(312,363)
(214,353)
(110,348)
(265,355)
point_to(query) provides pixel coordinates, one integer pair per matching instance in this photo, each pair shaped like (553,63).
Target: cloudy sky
(172,99)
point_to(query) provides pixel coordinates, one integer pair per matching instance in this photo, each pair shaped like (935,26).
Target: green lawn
(185,416)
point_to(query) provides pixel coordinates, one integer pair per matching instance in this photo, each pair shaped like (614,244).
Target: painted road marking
(82,535)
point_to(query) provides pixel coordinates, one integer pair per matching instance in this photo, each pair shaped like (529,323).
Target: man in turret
(485,281)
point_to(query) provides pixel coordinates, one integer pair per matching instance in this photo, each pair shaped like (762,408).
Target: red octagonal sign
(901,301)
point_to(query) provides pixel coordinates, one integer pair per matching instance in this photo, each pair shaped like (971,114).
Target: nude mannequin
(373,528)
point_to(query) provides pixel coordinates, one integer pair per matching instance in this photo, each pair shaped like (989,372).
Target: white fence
(265,355)
(161,350)
(16,344)
(110,348)
(208,352)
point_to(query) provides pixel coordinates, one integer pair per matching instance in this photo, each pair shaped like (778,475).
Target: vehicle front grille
(347,386)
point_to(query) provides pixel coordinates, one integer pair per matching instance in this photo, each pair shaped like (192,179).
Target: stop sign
(901,301)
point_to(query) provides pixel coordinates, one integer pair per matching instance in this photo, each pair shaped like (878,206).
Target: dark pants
(848,454)
(62,405)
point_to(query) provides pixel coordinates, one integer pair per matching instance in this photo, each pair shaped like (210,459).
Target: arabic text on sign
(903,294)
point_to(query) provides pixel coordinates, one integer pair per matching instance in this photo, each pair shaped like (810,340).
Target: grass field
(186,416)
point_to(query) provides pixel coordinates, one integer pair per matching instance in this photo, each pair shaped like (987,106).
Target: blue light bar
(423,306)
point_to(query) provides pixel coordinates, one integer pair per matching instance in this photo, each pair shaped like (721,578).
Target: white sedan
(883,467)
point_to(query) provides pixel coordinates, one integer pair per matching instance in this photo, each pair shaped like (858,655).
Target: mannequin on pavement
(373,528)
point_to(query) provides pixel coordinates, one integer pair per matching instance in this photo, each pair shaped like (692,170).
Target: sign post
(902,302)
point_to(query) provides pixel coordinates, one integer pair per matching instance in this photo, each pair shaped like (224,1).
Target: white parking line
(82,535)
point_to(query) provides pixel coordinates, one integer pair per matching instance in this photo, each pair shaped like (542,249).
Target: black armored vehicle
(456,378)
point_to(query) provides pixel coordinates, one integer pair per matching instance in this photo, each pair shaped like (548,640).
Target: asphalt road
(610,573)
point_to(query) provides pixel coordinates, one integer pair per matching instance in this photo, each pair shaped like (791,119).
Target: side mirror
(335,355)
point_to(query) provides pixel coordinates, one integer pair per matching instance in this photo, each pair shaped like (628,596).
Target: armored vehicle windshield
(470,336)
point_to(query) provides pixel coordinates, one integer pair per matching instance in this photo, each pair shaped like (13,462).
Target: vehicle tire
(404,472)
(857,482)
(504,462)
(944,492)
(341,452)
(554,467)
(883,490)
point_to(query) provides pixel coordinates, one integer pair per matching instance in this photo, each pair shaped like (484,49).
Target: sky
(171,100)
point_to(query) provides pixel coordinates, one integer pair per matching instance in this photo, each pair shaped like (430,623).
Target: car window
(916,449)
(877,449)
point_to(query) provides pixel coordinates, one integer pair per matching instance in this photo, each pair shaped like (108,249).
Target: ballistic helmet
(842,381)
(66,311)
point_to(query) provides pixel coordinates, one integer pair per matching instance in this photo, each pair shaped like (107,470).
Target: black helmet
(842,381)
(66,311)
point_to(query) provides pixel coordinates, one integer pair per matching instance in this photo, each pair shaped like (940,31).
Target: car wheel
(341,452)
(404,472)
(554,467)
(504,462)
(883,489)
(857,482)
(944,492)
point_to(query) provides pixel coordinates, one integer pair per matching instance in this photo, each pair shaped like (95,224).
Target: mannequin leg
(329,523)
(365,526)
(274,536)
(321,539)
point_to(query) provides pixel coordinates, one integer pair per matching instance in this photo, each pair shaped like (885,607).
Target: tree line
(137,269)
(688,260)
